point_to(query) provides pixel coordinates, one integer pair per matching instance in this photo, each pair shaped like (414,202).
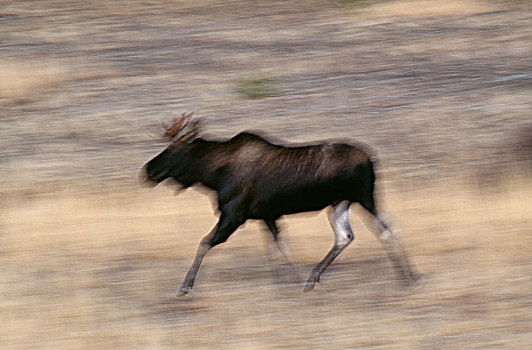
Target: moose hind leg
(281,246)
(343,236)
(219,234)
(395,251)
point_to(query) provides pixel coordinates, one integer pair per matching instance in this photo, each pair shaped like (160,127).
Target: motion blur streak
(441,91)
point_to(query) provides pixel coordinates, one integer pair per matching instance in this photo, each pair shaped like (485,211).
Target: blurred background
(440,89)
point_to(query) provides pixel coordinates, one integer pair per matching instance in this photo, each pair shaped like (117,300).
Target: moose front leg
(219,234)
(204,246)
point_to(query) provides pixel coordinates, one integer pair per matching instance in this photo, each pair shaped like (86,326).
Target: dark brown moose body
(256,179)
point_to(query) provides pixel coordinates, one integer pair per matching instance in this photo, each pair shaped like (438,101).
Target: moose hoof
(410,279)
(182,292)
(311,283)
(417,276)
(308,287)
(414,278)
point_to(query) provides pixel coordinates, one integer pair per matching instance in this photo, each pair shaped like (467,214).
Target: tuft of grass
(257,88)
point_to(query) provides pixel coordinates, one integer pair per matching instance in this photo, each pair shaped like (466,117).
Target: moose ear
(186,117)
(177,125)
(192,134)
(196,126)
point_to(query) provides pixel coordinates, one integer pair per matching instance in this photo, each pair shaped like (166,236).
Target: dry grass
(101,271)
(413,8)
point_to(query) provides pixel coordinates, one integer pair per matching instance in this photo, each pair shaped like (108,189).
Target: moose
(257,179)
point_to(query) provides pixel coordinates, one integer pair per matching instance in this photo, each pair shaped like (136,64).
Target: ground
(92,260)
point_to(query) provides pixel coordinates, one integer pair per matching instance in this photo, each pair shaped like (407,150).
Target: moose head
(175,160)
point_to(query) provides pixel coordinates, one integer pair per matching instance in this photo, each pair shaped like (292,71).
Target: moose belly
(290,202)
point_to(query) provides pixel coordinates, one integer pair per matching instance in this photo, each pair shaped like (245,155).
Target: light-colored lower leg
(188,283)
(343,235)
(395,250)
(339,220)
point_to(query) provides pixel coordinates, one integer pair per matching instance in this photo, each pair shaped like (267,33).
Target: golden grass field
(102,271)
(92,260)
